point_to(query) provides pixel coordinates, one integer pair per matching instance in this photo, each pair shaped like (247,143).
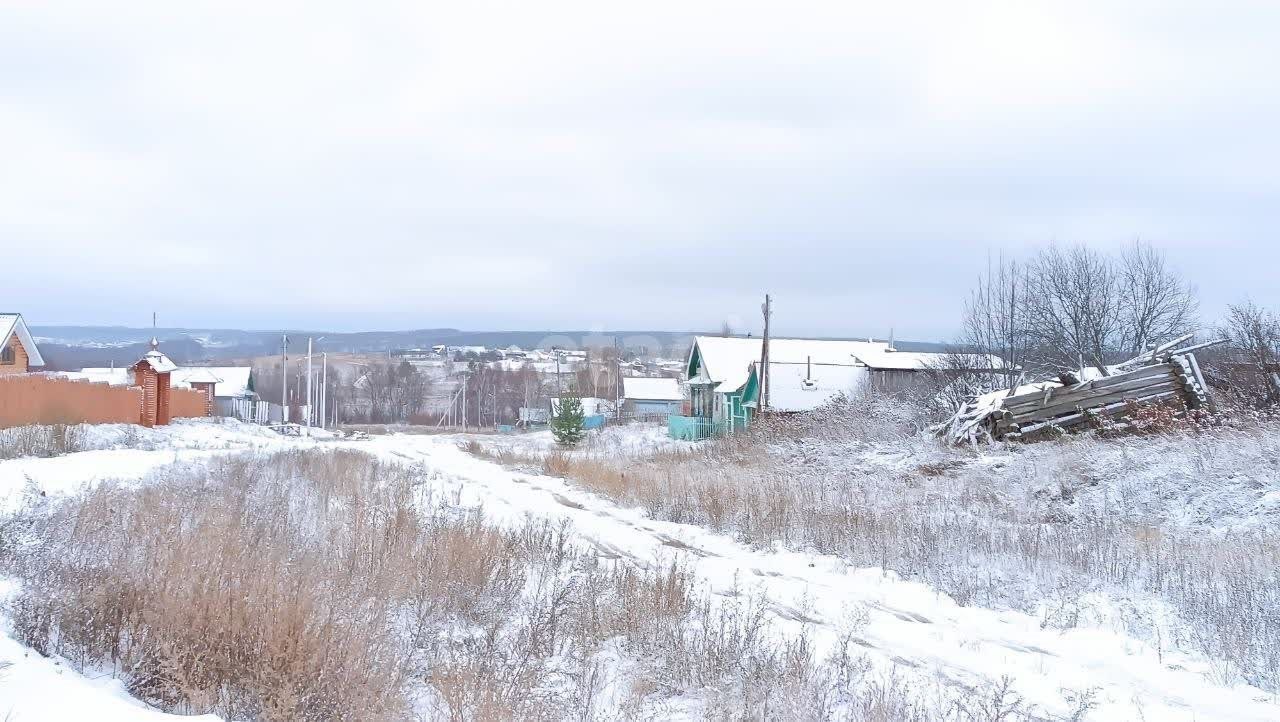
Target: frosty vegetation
(1167,536)
(326,586)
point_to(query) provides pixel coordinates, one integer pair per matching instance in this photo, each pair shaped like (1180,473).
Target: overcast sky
(579,165)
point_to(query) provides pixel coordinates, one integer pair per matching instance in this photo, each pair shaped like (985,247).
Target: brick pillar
(206,389)
(145,376)
(162,399)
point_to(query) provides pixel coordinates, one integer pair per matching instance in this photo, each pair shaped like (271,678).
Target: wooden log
(1041,397)
(1071,407)
(1067,422)
(1084,393)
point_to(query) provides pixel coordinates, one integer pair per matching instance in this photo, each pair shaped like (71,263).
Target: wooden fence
(42,399)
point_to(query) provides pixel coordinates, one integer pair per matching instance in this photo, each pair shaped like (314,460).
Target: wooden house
(651,396)
(18,352)
(803,374)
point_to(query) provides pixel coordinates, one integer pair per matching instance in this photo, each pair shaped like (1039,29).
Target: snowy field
(909,631)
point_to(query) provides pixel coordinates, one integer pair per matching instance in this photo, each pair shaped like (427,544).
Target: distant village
(716,388)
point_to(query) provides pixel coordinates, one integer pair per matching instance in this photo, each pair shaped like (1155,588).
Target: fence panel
(41,399)
(695,428)
(187,403)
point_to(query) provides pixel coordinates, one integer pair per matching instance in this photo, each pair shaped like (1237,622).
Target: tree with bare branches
(1251,363)
(1087,308)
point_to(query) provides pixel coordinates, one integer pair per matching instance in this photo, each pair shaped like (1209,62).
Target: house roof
(591,406)
(805,387)
(891,359)
(199,375)
(232,381)
(159,362)
(727,361)
(647,389)
(11,324)
(120,376)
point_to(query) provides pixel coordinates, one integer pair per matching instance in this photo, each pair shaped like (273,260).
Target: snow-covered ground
(901,625)
(630,440)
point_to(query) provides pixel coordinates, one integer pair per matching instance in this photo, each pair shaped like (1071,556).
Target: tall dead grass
(42,441)
(327,585)
(860,483)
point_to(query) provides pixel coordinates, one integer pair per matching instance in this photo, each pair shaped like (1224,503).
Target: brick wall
(41,399)
(44,399)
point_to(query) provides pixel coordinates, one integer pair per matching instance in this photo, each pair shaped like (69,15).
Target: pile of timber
(1079,399)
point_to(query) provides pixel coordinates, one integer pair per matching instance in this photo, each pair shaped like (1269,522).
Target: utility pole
(308,382)
(284,378)
(464,403)
(767,309)
(324,388)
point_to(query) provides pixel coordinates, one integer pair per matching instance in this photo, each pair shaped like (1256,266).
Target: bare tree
(1251,364)
(1073,307)
(995,338)
(394,392)
(1156,303)
(1086,308)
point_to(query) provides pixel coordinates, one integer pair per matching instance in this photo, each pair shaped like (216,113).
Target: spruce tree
(566,426)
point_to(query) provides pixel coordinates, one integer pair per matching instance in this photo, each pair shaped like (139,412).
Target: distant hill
(74,347)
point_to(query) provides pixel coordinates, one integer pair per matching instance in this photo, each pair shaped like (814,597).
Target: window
(7,356)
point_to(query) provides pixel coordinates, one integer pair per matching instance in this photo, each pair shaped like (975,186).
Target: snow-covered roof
(647,389)
(12,323)
(232,381)
(887,358)
(591,406)
(197,376)
(727,361)
(229,381)
(115,376)
(805,387)
(160,363)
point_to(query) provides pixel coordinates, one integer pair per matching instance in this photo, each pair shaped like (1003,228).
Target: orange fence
(188,403)
(42,399)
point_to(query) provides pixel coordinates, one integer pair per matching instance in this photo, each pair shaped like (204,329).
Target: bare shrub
(323,586)
(41,441)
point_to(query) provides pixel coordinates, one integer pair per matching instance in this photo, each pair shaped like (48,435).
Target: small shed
(18,352)
(650,396)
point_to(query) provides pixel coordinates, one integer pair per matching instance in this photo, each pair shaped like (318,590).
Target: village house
(651,396)
(18,352)
(803,374)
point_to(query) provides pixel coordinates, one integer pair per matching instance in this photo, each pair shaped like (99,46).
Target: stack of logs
(1039,410)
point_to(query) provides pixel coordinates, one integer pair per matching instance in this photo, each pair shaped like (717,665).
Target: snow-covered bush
(42,441)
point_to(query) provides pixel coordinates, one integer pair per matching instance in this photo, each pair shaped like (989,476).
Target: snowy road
(901,624)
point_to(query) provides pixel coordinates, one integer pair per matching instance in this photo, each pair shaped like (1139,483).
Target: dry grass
(41,441)
(974,532)
(326,586)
